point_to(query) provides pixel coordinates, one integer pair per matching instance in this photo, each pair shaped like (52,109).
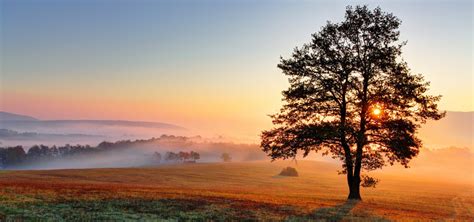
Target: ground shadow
(335,213)
(340,212)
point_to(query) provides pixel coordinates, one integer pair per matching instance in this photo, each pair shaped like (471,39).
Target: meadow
(226,191)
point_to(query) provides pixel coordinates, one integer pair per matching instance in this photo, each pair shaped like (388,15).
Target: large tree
(352,96)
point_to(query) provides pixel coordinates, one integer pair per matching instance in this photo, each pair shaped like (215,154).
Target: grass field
(230,191)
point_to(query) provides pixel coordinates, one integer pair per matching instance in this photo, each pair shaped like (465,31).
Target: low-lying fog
(452,164)
(134,153)
(448,149)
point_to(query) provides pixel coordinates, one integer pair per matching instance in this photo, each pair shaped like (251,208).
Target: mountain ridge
(6,116)
(11,119)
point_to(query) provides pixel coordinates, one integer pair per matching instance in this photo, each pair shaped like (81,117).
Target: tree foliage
(353,97)
(226,157)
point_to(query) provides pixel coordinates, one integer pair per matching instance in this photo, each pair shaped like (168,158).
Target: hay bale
(289,172)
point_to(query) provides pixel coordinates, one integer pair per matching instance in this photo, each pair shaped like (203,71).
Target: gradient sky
(205,65)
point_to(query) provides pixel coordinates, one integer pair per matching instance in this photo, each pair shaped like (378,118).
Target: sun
(376,111)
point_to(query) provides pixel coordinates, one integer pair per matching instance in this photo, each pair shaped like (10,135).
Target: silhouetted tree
(34,153)
(352,96)
(195,156)
(170,156)
(12,156)
(226,157)
(183,156)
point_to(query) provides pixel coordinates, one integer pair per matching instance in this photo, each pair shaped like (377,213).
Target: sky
(205,65)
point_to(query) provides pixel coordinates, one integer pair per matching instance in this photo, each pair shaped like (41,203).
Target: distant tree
(168,156)
(226,157)
(41,152)
(13,156)
(171,157)
(3,155)
(184,156)
(34,153)
(55,152)
(105,145)
(353,97)
(195,156)
(64,150)
(157,157)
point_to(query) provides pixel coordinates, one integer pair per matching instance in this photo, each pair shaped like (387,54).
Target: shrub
(289,172)
(369,181)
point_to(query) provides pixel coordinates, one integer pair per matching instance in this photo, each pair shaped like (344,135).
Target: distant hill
(67,123)
(4,116)
(15,121)
(7,134)
(456,129)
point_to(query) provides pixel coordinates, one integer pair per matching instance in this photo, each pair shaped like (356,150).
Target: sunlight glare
(377,111)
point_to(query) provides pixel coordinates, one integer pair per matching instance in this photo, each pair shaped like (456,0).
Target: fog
(118,159)
(451,164)
(139,153)
(84,134)
(447,152)
(446,165)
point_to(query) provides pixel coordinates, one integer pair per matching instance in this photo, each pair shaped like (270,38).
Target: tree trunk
(354,188)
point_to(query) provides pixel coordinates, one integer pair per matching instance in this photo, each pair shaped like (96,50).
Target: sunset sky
(204,65)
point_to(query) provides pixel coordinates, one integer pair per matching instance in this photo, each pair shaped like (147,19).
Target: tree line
(17,156)
(185,157)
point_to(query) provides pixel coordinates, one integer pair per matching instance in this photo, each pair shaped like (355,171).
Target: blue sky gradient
(176,56)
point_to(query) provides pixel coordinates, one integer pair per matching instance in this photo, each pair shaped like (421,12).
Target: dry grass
(250,190)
